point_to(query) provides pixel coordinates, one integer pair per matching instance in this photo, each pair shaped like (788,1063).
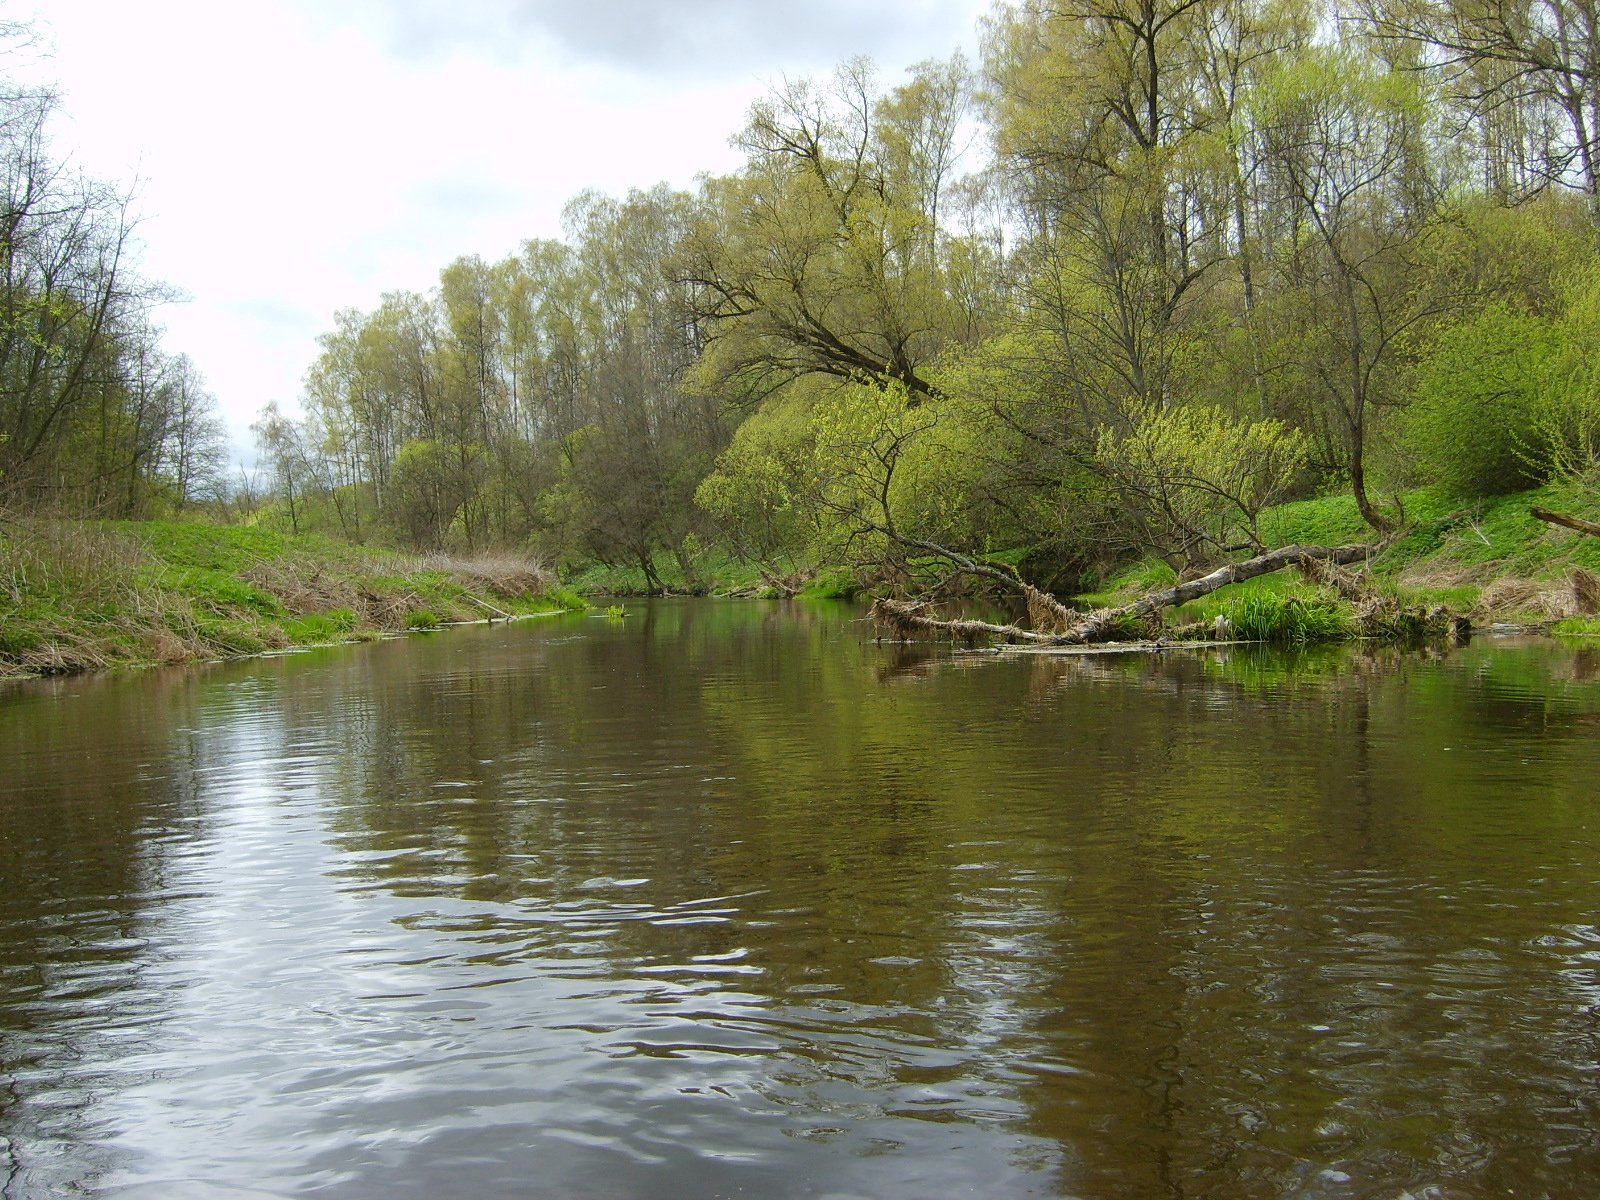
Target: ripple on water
(648,912)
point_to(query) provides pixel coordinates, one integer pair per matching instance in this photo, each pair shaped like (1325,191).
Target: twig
(490,607)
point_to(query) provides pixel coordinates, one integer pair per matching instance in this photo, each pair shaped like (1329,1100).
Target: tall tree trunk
(1356,413)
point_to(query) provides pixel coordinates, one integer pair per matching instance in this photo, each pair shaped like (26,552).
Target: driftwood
(1078,628)
(1046,612)
(1578,523)
(1381,614)
(498,612)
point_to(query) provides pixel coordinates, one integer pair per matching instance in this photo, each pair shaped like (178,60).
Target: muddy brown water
(725,900)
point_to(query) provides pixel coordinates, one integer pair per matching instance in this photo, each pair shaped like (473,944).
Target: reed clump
(1295,619)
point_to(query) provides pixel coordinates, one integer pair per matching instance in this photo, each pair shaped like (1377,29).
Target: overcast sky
(295,157)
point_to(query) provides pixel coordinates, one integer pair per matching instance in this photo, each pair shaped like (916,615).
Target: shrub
(1475,424)
(1193,479)
(1567,422)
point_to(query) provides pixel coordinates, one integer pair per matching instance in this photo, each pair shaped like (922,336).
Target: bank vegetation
(79,595)
(1105,301)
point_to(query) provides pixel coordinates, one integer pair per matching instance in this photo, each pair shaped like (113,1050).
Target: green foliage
(1131,581)
(765,491)
(1493,535)
(1476,422)
(1146,327)
(565,598)
(423,618)
(822,256)
(1519,256)
(711,571)
(1567,424)
(997,472)
(429,483)
(1577,627)
(220,591)
(833,585)
(1194,479)
(1150,323)
(335,625)
(1320,521)
(821,474)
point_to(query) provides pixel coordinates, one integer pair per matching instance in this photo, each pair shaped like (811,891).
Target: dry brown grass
(50,555)
(1435,576)
(1540,599)
(1585,591)
(166,648)
(505,576)
(387,613)
(303,589)
(67,654)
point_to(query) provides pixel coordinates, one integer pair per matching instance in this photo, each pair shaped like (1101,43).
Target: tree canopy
(1147,267)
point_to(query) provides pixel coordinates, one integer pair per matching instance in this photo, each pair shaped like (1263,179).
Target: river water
(726,900)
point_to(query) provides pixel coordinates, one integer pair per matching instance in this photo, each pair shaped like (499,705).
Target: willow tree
(641,440)
(1105,130)
(823,254)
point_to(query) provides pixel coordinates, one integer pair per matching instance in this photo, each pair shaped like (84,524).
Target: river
(724,899)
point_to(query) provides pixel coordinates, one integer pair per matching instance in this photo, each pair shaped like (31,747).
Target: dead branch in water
(904,618)
(1046,612)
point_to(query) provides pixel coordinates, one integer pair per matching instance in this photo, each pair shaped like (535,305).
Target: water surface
(726,900)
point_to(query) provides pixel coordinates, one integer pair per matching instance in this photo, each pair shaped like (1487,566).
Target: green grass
(319,629)
(832,585)
(1324,521)
(1577,627)
(1129,581)
(1306,618)
(1281,609)
(214,547)
(713,573)
(1497,537)
(84,595)
(565,598)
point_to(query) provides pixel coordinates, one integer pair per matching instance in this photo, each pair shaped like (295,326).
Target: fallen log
(903,617)
(1554,518)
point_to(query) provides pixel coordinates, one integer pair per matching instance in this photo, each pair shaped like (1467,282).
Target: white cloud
(666,39)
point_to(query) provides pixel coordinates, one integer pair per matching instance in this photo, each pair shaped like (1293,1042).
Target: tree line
(95,417)
(1147,268)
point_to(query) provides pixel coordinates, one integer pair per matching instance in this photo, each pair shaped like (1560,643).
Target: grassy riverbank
(78,596)
(713,574)
(1490,560)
